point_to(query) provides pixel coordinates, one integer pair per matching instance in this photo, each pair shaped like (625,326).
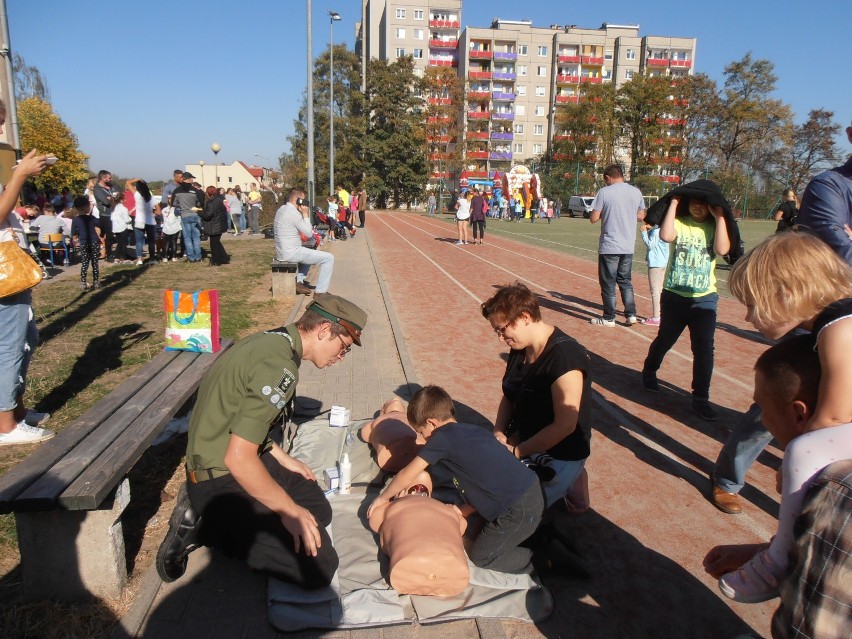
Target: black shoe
(181,539)
(649,381)
(308,284)
(704,410)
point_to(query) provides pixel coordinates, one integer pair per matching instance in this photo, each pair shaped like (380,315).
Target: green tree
(693,100)
(45,131)
(642,108)
(444,94)
(395,141)
(809,148)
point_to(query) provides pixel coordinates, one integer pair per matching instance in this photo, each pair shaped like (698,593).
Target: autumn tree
(45,131)
(444,95)
(642,108)
(809,148)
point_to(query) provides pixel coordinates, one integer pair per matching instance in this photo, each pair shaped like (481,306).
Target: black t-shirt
(527,387)
(482,469)
(831,313)
(789,212)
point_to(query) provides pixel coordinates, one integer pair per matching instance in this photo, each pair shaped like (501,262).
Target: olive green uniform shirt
(243,393)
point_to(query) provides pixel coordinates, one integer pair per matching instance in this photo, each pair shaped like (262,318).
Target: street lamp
(216,147)
(310,107)
(332,17)
(201,164)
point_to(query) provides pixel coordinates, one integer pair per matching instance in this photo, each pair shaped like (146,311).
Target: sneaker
(600,321)
(459,243)
(308,284)
(704,410)
(96,285)
(632,319)
(138,262)
(652,321)
(180,540)
(84,287)
(34,418)
(174,259)
(649,381)
(756,581)
(23,433)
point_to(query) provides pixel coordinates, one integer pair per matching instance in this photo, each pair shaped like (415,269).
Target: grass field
(578,237)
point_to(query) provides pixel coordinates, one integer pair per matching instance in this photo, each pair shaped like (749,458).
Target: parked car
(580,206)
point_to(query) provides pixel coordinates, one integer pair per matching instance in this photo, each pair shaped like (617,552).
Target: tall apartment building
(516,74)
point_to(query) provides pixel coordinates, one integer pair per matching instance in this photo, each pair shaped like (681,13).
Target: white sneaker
(138,262)
(631,320)
(600,321)
(459,243)
(34,418)
(23,433)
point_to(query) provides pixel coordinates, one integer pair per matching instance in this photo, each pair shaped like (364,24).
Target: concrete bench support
(284,278)
(72,555)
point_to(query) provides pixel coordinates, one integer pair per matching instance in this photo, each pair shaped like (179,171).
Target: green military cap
(342,311)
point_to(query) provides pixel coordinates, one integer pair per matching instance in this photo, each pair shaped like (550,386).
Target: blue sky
(147,87)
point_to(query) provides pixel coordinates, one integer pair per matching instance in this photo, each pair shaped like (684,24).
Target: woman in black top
(215,217)
(787,211)
(546,403)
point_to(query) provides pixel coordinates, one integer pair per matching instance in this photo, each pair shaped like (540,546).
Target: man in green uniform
(244,494)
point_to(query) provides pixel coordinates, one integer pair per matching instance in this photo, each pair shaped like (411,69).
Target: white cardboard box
(332,478)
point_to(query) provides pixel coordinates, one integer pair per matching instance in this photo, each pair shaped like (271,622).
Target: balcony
(440,101)
(496,155)
(443,139)
(477,135)
(478,95)
(505,55)
(502,97)
(567,99)
(437,175)
(589,80)
(438,157)
(478,173)
(568,59)
(681,64)
(567,79)
(444,24)
(433,119)
(478,155)
(480,55)
(657,62)
(503,75)
(443,44)
(478,115)
(672,179)
(501,136)
(441,62)
(496,115)
(479,75)
(593,60)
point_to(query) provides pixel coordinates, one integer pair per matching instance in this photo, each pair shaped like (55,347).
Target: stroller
(336,228)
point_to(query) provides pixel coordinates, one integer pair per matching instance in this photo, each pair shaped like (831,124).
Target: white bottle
(345,475)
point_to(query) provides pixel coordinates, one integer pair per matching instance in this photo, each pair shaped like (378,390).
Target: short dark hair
(103,173)
(293,191)
(510,302)
(792,369)
(430,402)
(311,320)
(177,172)
(613,171)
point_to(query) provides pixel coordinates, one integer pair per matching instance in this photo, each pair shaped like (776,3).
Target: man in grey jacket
(291,219)
(190,201)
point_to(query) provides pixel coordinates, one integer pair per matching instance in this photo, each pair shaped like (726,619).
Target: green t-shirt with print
(692,262)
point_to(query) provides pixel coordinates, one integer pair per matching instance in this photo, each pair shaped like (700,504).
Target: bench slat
(43,459)
(100,477)
(42,493)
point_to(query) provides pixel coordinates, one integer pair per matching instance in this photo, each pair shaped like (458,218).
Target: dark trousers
(120,245)
(89,254)
(362,216)
(497,546)
(478,229)
(677,313)
(170,250)
(243,528)
(217,251)
(616,270)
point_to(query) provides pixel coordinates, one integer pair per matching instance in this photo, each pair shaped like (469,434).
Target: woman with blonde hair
(787,211)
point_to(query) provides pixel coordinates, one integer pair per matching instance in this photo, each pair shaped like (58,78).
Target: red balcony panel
(481,55)
(477,135)
(478,115)
(480,75)
(672,179)
(569,59)
(682,64)
(657,62)
(432,119)
(435,62)
(440,101)
(439,138)
(589,80)
(443,44)
(565,99)
(478,95)
(567,79)
(478,155)
(592,60)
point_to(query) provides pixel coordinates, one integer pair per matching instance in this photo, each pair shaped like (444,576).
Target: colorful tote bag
(192,321)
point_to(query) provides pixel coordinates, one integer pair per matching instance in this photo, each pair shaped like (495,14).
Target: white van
(580,206)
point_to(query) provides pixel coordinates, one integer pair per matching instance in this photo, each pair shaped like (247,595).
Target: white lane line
(745,385)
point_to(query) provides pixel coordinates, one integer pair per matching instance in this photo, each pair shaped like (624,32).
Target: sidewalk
(219,597)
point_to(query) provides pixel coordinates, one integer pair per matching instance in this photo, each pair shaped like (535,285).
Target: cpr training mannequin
(395,442)
(423,539)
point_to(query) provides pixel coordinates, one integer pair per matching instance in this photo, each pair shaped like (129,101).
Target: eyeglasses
(346,347)
(501,332)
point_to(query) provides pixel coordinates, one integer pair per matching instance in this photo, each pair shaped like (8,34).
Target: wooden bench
(284,278)
(68,495)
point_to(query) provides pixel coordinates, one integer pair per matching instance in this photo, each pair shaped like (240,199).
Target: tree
(642,107)
(42,129)
(694,99)
(29,82)
(810,148)
(444,95)
(395,141)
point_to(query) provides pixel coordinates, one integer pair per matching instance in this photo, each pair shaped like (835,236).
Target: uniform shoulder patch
(287,381)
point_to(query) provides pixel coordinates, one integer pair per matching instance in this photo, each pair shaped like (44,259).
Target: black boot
(181,539)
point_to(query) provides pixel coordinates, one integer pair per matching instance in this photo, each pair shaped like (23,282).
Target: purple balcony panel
(501,136)
(499,75)
(497,95)
(501,156)
(503,116)
(505,56)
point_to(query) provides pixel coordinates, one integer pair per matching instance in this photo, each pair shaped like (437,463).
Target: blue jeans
(677,313)
(743,446)
(567,473)
(149,234)
(18,340)
(191,236)
(616,269)
(306,257)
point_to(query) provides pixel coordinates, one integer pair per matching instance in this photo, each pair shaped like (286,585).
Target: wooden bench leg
(72,555)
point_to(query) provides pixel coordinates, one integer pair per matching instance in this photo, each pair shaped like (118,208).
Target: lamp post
(332,17)
(310,122)
(201,164)
(216,147)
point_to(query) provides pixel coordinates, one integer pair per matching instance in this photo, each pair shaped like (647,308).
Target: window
(539,109)
(536,149)
(400,52)
(541,72)
(628,74)
(418,14)
(418,34)
(522,69)
(631,54)
(418,54)
(520,109)
(518,148)
(519,129)
(521,90)
(539,92)
(542,52)
(400,14)
(522,49)
(538,129)
(400,33)
(608,55)
(230,179)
